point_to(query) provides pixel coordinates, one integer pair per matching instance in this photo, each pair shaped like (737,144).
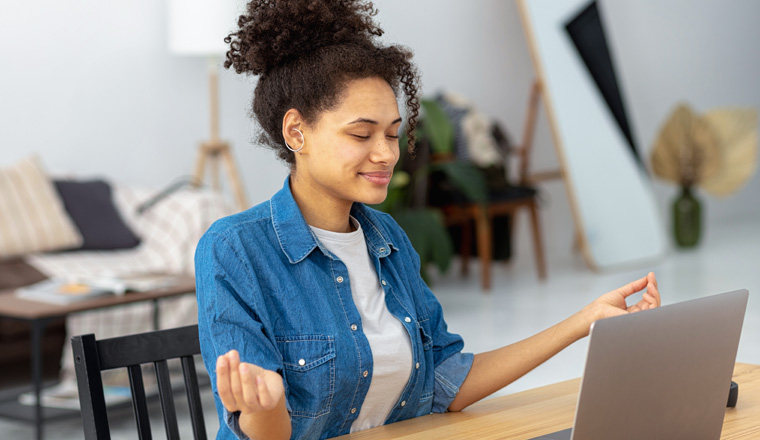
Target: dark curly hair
(306,51)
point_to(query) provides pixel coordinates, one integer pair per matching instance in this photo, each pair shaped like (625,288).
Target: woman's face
(350,150)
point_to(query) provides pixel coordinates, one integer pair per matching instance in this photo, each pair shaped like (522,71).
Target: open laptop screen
(663,373)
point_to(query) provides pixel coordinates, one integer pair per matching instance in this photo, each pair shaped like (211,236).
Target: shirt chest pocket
(309,369)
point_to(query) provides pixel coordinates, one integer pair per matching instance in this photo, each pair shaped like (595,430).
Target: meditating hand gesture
(246,387)
(614,303)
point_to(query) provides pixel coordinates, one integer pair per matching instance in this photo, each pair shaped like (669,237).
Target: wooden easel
(524,150)
(214,149)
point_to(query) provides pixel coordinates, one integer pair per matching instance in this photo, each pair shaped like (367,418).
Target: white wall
(91,87)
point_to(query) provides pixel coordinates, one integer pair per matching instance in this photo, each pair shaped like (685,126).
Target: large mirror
(610,193)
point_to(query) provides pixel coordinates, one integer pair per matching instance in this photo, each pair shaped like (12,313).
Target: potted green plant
(407,191)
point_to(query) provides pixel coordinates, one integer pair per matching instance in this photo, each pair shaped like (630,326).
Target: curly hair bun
(306,52)
(273,32)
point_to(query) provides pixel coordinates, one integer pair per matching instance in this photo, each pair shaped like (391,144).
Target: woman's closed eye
(365,137)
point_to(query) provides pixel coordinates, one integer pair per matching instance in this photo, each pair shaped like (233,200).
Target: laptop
(663,373)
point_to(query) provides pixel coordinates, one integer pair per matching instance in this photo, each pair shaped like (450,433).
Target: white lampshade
(198,27)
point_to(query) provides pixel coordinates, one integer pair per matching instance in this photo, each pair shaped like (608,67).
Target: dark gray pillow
(91,207)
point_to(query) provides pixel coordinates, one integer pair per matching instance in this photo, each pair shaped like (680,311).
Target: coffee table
(39,314)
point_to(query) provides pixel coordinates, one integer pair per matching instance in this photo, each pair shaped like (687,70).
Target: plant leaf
(686,150)
(442,249)
(736,134)
(429,237)
(466,178)
(438,127)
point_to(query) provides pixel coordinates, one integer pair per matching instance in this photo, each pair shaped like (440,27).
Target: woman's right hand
(246,387)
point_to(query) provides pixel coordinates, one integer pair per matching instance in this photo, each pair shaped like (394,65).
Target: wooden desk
(39,314)
(549,409)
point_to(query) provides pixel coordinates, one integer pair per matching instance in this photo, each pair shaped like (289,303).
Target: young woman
(314,321)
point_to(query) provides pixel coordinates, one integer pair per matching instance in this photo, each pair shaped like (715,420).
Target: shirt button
(353,410)
(403,402)
(353,327)
(301,362)
(339,279)
(382,249)
(365,373)
(408,319)
(384,283)
(417,366)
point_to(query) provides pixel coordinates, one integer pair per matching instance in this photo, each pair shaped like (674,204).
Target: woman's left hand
(614,303)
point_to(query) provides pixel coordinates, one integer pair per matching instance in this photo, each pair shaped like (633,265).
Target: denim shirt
(269,289)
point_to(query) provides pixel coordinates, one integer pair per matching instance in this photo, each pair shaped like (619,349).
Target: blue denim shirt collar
(297,240)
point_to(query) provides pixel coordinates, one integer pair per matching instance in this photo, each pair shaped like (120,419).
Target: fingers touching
(651,297)
(265,398)
(653,293)
(633,287)
(249,391)
(243,386)
(237,379)
(224,383)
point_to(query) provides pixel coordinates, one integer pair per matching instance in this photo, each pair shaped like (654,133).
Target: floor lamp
(198,28)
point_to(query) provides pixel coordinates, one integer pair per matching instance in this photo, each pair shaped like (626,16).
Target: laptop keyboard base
(559,435)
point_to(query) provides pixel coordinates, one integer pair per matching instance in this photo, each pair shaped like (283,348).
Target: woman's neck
(321,210)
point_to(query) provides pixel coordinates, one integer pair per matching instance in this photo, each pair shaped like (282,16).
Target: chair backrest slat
(167,400)
(92,400)
(139,402)
(193,398)
(92,356)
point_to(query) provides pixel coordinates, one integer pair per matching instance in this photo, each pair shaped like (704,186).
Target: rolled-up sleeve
(228,318)
(449,376)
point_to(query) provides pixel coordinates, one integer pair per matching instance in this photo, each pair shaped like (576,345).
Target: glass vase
(687,218)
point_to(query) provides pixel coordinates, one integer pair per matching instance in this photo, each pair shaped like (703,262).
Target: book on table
(75,289)
(57,291)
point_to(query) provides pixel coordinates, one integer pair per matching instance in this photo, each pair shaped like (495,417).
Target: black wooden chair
(92,356)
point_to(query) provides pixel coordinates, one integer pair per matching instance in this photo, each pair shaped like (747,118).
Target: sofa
(103,229)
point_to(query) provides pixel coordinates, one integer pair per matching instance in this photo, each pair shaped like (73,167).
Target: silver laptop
(660,374)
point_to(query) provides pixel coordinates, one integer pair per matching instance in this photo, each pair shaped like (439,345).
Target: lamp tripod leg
(215,184)
(200,167)
(237,186)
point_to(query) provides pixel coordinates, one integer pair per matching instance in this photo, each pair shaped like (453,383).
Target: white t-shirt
(388,339)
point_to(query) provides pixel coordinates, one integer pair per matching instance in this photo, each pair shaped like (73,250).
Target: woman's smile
(378,177)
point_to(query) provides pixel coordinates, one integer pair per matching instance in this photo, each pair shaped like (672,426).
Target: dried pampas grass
(717,151)
(736,130)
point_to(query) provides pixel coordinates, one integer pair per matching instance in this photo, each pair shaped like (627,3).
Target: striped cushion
(32,216)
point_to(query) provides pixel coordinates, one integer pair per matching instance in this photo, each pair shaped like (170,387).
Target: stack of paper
(60,292)
(74,289)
